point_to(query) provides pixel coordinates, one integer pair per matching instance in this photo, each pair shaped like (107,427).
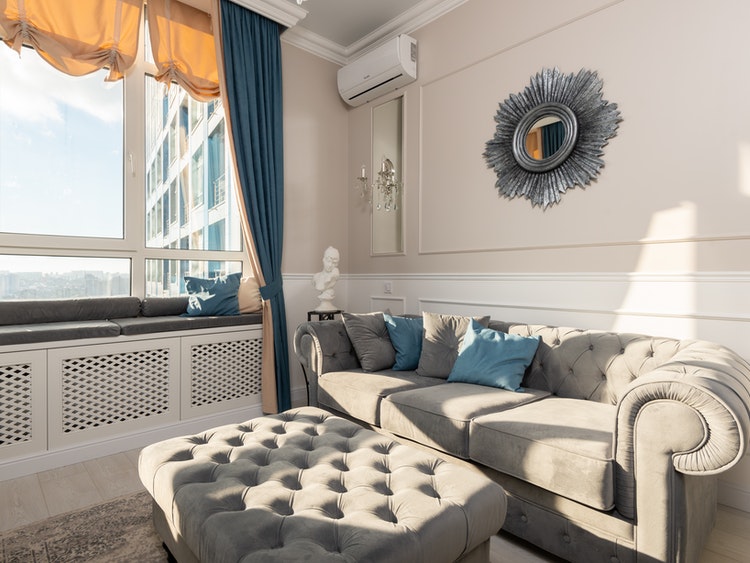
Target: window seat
(95,376)
(32,321)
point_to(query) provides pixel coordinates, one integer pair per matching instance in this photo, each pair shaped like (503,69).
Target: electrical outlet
(387,288)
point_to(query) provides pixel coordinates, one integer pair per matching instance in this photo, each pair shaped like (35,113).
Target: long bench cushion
(148,325)
(47,332)
(163,306)
(562,445)
(359,393)
(440,416)
(61,310)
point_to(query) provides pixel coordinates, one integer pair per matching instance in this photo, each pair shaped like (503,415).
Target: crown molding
(408,22)
(281,11)
(315,44)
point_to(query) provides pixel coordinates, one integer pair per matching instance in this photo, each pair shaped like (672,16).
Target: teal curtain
(251,49)
(553,136)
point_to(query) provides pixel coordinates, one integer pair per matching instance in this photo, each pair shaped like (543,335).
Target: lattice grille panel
(225,370)
(15,404)
(101,390)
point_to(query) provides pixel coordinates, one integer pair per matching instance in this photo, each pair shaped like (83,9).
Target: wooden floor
(49,493)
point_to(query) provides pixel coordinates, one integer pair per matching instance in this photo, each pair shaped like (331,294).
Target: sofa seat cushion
(358,393)
(439,416)
(48,332)
(562,445)
(147,325)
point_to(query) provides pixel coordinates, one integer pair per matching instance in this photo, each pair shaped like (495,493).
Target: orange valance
(182,42)
(75,36)
(81,36)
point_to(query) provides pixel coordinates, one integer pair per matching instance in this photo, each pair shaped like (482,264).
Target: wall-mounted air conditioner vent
(384,69)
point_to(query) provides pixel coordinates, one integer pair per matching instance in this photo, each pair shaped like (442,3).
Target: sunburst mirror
(551,136)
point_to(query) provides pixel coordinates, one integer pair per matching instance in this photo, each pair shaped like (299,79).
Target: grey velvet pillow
(370,339)
(443,336)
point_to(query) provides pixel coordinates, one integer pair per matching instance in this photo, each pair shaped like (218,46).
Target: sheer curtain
(249,48)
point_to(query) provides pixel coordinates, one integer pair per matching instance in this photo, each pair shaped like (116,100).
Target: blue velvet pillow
(406,337)
(215,296)
(493,358)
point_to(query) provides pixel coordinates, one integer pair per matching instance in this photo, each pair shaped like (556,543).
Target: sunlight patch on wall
(673,304)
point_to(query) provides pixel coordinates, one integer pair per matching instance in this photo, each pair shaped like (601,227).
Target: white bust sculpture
(325,281)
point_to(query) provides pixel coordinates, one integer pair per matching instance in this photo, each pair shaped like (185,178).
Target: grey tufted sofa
(304,485)
(609,454)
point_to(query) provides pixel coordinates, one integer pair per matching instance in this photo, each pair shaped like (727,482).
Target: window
(109,188)
(61,150)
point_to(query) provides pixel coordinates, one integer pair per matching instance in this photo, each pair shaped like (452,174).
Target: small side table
(324,315)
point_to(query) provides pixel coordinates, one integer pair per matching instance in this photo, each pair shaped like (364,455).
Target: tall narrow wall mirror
(387,178)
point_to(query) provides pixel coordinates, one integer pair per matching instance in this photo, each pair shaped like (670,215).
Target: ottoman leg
(171,538)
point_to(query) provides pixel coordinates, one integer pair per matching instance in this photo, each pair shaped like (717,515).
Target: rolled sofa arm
(323,346)
(694,408)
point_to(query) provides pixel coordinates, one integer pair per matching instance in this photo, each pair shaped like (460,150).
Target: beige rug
(117,531)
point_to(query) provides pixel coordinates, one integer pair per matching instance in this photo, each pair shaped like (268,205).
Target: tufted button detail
(220,458)
(614,559)
(622,350)
(337,487)
(591,346)
(524,518)
(340,465)
(566,538)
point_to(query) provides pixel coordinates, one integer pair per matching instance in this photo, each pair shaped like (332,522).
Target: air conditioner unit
(384,69)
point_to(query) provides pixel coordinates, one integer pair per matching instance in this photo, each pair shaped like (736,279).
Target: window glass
(61,150)
(166,278)
(187,185)
(55,277)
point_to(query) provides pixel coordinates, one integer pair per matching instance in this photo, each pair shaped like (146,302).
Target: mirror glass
(545,138)
(386,178)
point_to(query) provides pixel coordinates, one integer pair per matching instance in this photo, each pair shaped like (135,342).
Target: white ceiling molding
(281,11)
(411,20)
(315,44)
(408,22)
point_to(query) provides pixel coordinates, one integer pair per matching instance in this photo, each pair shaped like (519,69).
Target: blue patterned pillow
(493,358)
(406,337)
(214,296)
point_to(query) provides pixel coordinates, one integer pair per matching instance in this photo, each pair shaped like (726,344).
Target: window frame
(133,243)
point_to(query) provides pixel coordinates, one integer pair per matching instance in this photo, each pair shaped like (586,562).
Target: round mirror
(569,111)
(545,137)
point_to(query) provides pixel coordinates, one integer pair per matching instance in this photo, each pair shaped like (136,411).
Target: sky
(61,150)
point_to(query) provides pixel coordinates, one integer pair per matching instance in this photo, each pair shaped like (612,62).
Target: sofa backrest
(590,364)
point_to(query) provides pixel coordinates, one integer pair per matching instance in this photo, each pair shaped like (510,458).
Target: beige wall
(315,161)
(674,194)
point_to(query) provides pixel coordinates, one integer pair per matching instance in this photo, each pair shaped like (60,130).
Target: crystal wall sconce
(385,192)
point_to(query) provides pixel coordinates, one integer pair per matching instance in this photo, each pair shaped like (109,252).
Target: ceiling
(340,30)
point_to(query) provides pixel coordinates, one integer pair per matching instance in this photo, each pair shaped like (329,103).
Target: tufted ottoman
(305,485)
